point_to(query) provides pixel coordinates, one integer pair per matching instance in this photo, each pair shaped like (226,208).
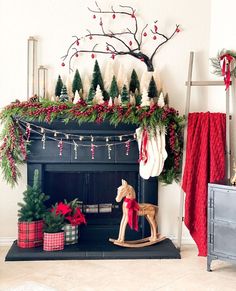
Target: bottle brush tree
(134,84)
(77,82)
(33,208)
(124,94)
(152,89)
(59,86)
(63,96)
(97,80)
(114,91)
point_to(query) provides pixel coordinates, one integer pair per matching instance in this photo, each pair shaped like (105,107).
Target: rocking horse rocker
(131,211)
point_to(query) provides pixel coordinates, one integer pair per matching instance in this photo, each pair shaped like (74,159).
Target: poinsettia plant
(70,211)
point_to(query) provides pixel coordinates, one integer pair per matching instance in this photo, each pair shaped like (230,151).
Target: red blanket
(205,163)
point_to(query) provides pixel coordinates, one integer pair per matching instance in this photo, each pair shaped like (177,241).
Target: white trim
(6,241)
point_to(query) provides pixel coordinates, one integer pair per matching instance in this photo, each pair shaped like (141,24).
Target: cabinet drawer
(224,202)
(224,238)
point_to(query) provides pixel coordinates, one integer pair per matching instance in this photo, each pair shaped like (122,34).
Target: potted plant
(53,239)
(73,217)
(30,215)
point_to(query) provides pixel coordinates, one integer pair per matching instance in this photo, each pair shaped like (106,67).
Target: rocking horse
(131,211)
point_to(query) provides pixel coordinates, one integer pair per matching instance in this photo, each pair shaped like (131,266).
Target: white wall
(54,22)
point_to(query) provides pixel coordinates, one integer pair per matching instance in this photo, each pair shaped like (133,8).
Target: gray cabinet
(221,223)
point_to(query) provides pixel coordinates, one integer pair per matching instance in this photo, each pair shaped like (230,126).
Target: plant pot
(53,241)
(71,234)
(30,234)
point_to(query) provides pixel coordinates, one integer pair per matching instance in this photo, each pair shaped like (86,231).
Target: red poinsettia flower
(62,209)
(76,219)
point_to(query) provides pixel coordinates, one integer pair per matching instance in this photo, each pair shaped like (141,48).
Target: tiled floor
(187,274)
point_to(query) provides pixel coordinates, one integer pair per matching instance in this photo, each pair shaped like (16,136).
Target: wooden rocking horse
(131,211)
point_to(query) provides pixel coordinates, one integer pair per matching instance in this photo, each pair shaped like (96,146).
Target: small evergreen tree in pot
(53,239)
(30,215)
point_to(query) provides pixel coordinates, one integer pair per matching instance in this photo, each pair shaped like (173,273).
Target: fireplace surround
(94,182)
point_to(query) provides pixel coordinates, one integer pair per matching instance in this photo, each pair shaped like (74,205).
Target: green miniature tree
(124,95)
(91,94)
(152,89)
(97,77)
(114,91)
(134,82)
(59,86)
(53,222)
(63,96)
(33,208)
(77,82)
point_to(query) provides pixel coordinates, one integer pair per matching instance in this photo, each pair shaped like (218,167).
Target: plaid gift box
(53,241)
(71,233)
(30,234)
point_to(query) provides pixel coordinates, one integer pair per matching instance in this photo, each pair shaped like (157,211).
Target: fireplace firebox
(93,181)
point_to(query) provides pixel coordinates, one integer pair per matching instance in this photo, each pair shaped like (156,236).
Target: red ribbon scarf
(133,209)
(226,69)
(143,154)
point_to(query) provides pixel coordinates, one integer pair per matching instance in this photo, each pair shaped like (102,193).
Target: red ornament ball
(92,56)
(154,37)
(77,42)
(177,30)
(94,16)
(63,64)
(133,15)
(107,48)
(130,43)
(90,37)
(113,16)
(113,56)
(145,34)
(155,28)
(77,55)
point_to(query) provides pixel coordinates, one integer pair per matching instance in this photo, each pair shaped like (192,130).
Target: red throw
(226,69)
(143,156)
(133,209)
(205,163)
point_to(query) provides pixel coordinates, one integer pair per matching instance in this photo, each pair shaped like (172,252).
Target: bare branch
(166,39)
(141,35)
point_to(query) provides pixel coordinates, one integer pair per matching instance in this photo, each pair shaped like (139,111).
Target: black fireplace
(93,181)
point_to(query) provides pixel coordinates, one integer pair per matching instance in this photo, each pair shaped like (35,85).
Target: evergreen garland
(13,148)
(33,208)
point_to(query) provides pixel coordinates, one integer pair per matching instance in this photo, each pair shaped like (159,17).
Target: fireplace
(93,181)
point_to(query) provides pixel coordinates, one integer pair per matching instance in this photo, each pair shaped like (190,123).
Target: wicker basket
(30,234)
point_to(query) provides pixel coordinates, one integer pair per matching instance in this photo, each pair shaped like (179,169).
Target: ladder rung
(205,83)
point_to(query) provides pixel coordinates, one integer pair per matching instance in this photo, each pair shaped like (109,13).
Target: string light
(67,136)
(120,137)
(28,132)
(107,139)
(93,151)
(42,130)
(43,141)
(75,150)
(109,149)
(127,146)
(60,145)
(92,138)
(81,138)
(55,134)
(135,136)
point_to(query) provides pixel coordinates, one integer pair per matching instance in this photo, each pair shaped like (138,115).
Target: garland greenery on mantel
(13,150)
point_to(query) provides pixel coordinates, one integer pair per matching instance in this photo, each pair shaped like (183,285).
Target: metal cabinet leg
(209,260)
